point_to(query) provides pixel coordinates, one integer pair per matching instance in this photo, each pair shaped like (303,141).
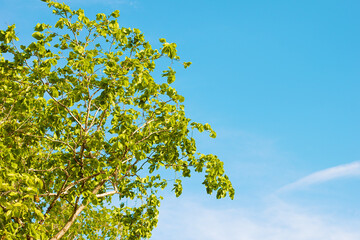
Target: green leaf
(60,23)
(170,74)
(38,35)
(187,64)
(178,187)
(40,27)
(39,213)
(115,14)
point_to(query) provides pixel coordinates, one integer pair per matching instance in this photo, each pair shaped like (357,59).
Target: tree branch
(80,209)
(106,194)
(53,201)
(142,126)
(67,109)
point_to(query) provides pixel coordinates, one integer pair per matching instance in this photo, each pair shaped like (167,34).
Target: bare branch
(72,219)
(102,118)
(142,126)
(54,140)
(143,139)
(67,109)
(7,116)
(92,122)
(106,194)
(53,201)
(88,110)
(79,181)
(43,170)
(126,160)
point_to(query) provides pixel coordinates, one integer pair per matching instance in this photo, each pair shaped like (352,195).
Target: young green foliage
(82,120)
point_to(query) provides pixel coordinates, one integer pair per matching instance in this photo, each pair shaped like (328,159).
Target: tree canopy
(86,131)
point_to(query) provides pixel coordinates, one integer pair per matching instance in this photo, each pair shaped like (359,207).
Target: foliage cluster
(82,120)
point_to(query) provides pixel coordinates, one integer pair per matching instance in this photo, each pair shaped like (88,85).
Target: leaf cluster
(82,121)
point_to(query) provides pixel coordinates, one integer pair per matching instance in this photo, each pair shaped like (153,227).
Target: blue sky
(279,82)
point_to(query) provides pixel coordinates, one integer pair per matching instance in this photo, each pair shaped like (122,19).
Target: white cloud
(190,219)
(276,219)
(345,170)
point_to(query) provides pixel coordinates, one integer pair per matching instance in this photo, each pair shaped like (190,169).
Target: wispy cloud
(190,219)
(345,170)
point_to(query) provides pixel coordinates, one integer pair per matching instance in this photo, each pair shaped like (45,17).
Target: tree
(83,122)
